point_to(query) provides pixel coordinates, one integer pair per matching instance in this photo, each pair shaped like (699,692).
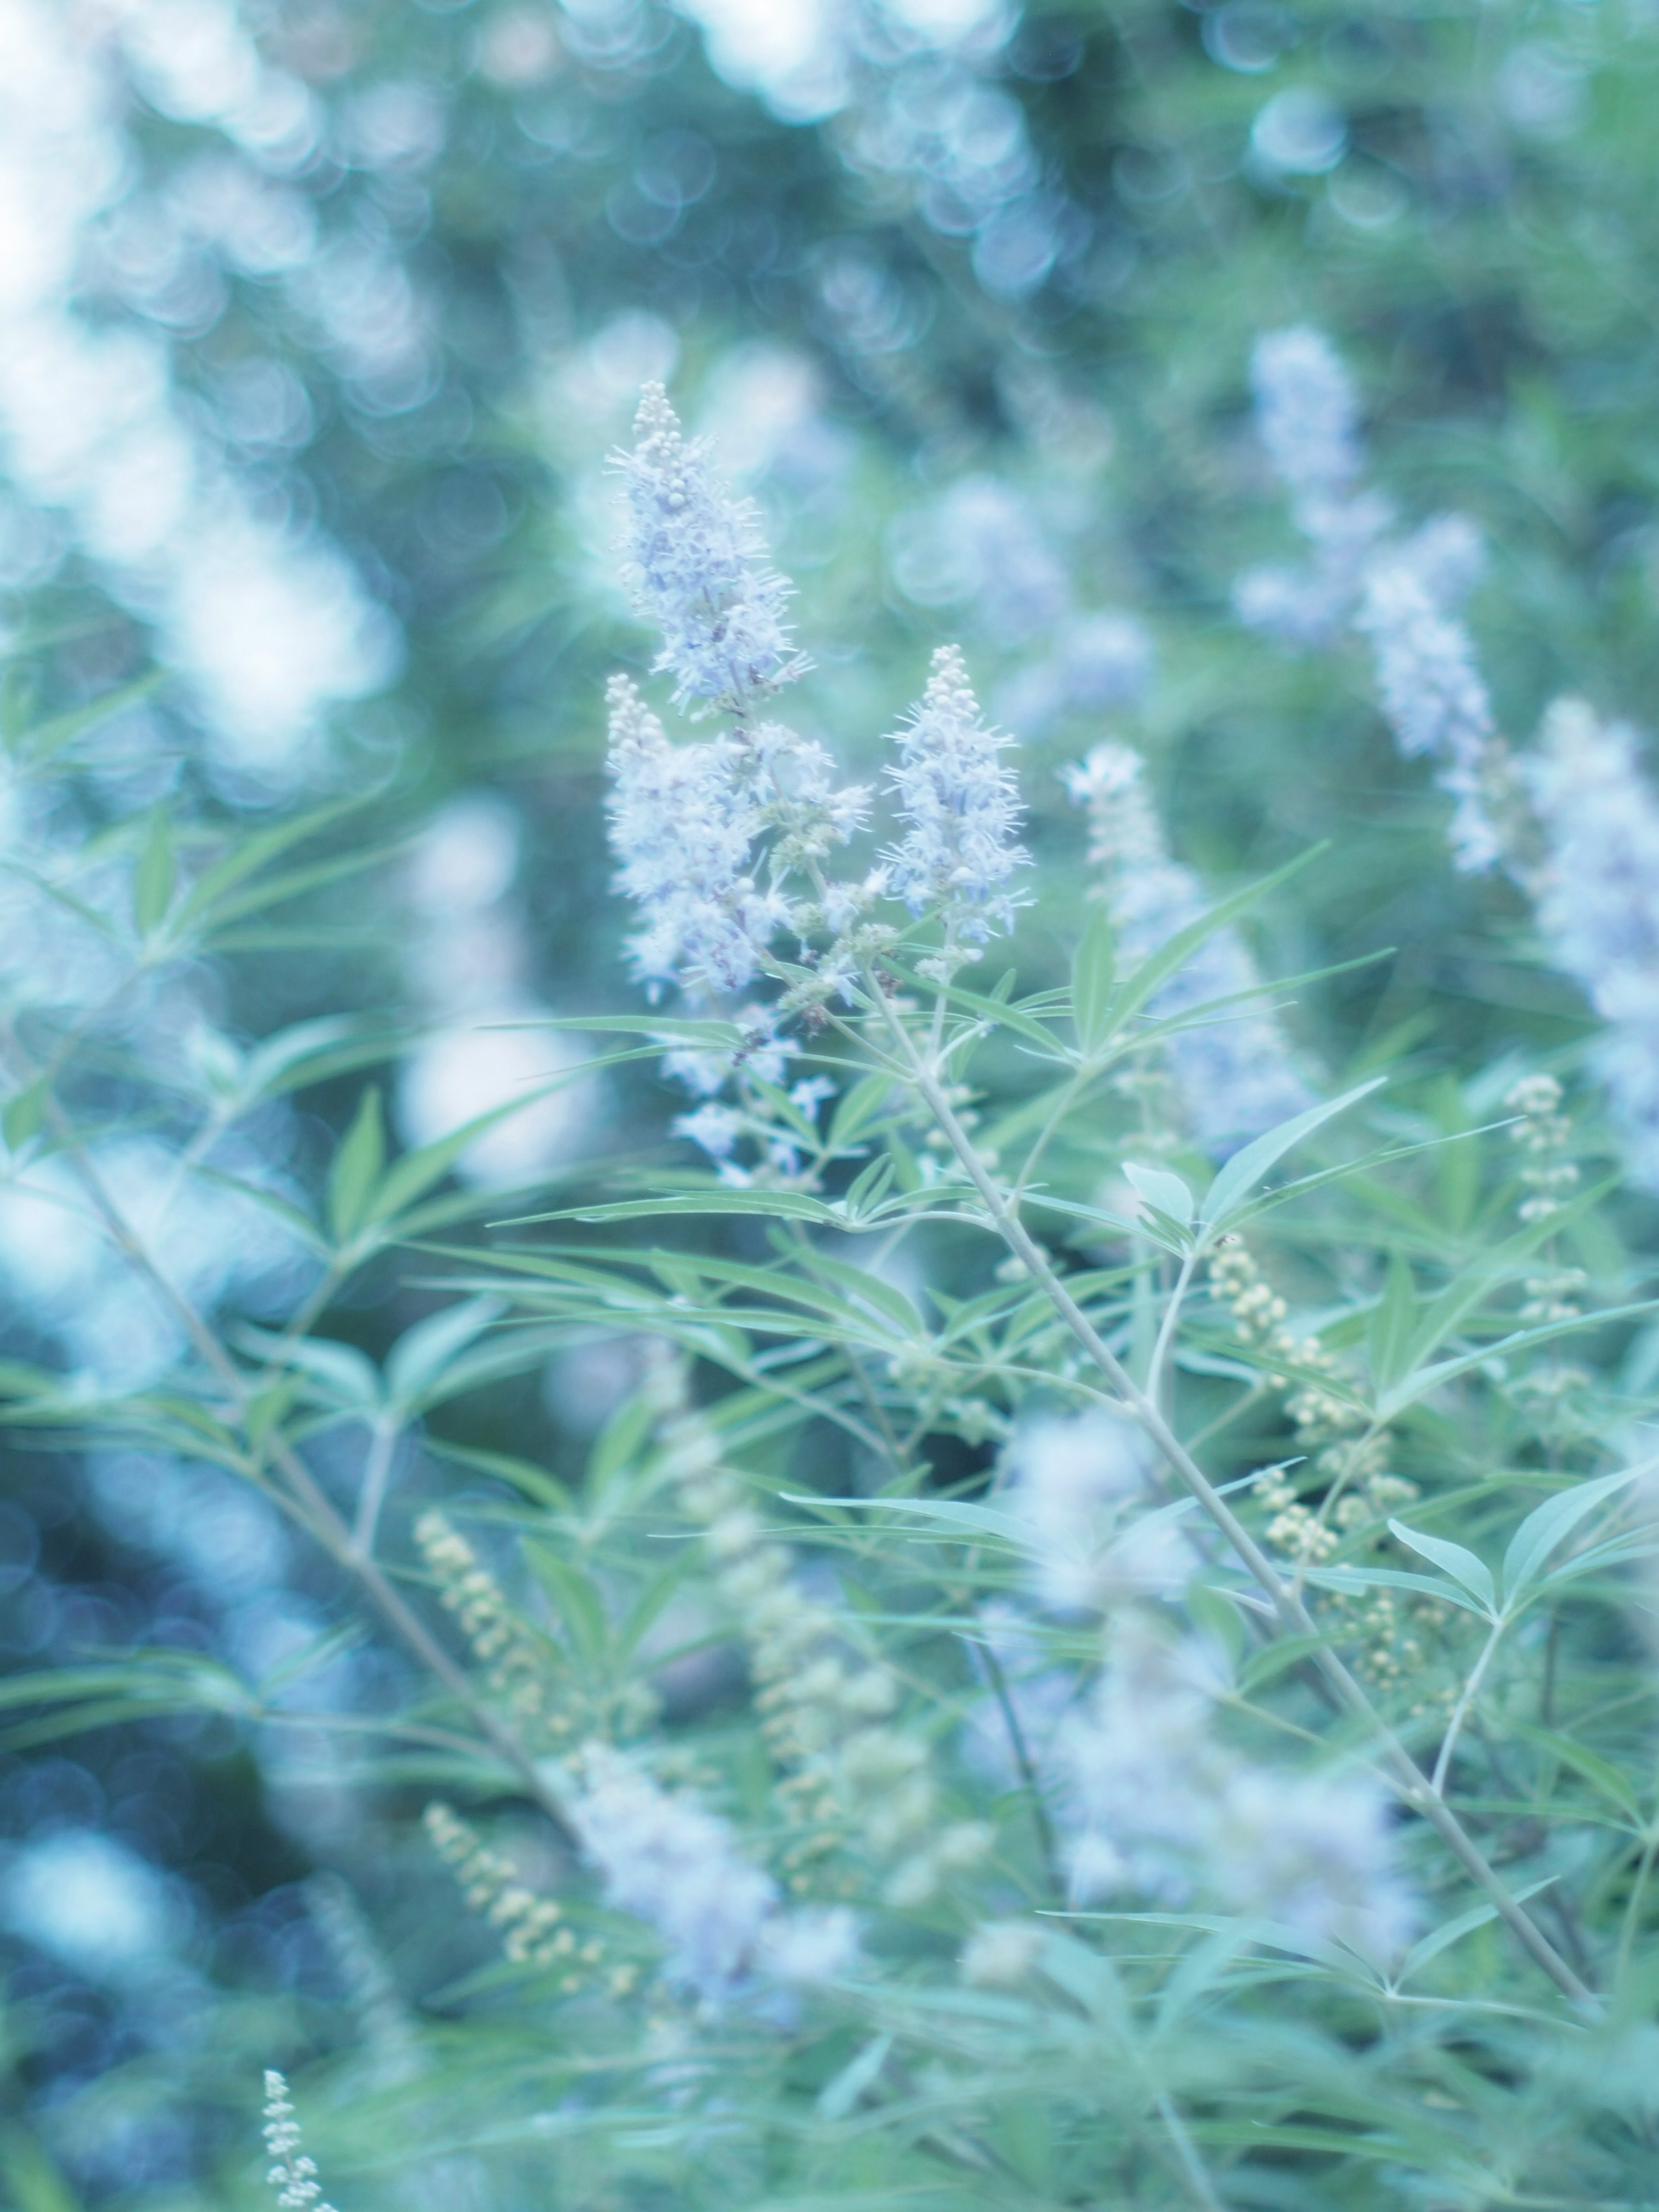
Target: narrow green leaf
(868,1187)
(857,1109)
(1239,1175)
(1393,1323)
(422,1354)
(1093,971)
(33,2181)
(1172,956)
(1553,1522)
(25,1110)
(1465,1568)
(47,738)
(947,1513)
(154,874)
(576,1600)
(1364,1579)
(1589,1766)
(1442,1939)
(1160,1189)
(1428,1379)
(842,2091)
(356,1168)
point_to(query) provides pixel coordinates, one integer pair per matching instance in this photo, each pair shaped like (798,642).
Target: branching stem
(1402,1771)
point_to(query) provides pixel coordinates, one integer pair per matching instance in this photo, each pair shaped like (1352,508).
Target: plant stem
(326,1523)
(1443,1765)
(1402,1771)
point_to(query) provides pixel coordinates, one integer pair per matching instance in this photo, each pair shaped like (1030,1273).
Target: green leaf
(25,1110)
(1160,1189)
(1428,1379)
(47,738)
(33,2182)
(1172,956)
(155,874)
(249,854)
(859,1107)
(576,1600)
(533,1481)
(1094,970)
(1239,1175)
(341,1374)
(1470,1572)
(1442,1939)
(786,1205)
(1551,1522)
(1353,1579)
(1393,1323)
(842,2091)
(356,1168)
(947,1513)
(420,1356)
(868,1187)
(1588,1765)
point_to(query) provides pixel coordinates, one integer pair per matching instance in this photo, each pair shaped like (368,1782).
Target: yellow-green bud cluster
(517,1662)
(1543,1132)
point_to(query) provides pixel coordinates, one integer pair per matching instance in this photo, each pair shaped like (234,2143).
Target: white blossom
(1306,414)
(673,1865)
(1433,695)
(962,806)
(815,1946)
(1074,1482)
(1236,1073)
(1152,1801)
(670,1863)
(684,827)
(713,1126)
(1598,907)
(292,2174)
(698,562)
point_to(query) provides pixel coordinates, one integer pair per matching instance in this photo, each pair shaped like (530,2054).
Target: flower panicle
(293,2174)
(1236,1073)
(962,808)
(1306,411)
(1598,903)
(698,562)
(1434,696)
(672,1863)
(683,824)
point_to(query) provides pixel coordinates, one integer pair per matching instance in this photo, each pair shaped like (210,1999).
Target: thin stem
(1633,1908)
(377,1471)
(1443,1765)
(1047,1841)
(1161,1349)
(325,1523)
(1187,2151)
(1402,1771)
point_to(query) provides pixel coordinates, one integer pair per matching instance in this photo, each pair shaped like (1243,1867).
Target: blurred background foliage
(317,319)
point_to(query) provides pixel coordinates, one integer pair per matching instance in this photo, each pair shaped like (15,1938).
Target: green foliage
(1392,1422)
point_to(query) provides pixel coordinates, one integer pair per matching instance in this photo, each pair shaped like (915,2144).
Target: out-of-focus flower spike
(1598,905)
(1237,1074)
(1306,414)
(1434,697)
